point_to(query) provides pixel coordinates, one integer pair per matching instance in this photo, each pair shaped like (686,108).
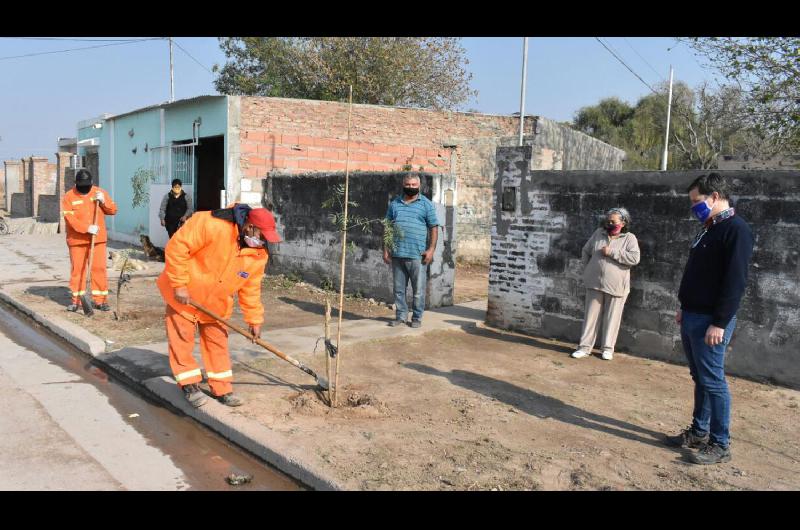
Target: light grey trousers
(602,311)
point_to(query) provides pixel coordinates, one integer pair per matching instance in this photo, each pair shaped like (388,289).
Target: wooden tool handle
(91,251)
(241,331)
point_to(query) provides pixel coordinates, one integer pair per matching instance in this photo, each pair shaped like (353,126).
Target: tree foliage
(767,70)
(704,124)
(427,72)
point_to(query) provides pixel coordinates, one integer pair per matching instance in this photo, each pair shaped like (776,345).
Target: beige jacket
(610,274)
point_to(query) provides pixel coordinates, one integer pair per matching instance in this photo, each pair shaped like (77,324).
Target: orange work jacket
(204,256)
(78,211)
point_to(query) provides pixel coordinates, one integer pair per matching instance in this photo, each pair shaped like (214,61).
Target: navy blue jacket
(715,276)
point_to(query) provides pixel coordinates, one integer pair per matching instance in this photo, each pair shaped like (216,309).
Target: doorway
(210,172)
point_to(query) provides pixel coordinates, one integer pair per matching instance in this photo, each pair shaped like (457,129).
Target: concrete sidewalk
(44,259)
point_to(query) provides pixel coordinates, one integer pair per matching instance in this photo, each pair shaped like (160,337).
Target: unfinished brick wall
(535,283)
(292,136)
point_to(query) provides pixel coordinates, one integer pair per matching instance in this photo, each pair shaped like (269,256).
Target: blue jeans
(712,400)
(405,269)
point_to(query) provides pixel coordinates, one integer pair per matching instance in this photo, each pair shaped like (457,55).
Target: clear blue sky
(43,97)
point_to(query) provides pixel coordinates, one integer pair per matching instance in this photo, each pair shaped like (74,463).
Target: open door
(210,156)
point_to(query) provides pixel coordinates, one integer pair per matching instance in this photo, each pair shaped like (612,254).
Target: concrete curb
(246,434)
(72,333)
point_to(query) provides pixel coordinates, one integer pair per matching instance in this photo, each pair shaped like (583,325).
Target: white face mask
(253,242)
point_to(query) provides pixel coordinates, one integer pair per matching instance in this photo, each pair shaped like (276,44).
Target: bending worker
(215,255)
(78,208)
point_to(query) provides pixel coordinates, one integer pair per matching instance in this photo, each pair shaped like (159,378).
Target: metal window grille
(173,162)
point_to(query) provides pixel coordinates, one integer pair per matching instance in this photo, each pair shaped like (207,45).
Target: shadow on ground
(319,309)
(469,326)
(61,294)
(542,406)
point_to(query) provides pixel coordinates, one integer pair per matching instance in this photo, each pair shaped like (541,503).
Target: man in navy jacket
(712,287)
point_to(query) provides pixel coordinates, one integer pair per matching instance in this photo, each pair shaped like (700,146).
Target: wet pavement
(105,435)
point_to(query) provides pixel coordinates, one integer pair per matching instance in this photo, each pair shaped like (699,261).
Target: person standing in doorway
(176,208)
(608,257)
(78,207)
(711,290)
(414,216)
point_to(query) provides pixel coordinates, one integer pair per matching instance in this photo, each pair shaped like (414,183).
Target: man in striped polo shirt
(415,217)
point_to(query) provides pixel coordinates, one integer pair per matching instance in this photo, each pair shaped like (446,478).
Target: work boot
(231,400)
(397,322)
(416,324)
(73,307)
(101,307)
(194,395)
(687,439)
(711,453)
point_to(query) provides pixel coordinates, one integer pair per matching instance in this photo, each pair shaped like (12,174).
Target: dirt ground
(479,409)
(287,304)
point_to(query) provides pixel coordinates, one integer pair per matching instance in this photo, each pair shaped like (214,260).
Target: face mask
(701,211)
(410,191)
(253,242)
(613,229)
(84,189)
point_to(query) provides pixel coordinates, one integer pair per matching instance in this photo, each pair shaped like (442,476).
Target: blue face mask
(701,211)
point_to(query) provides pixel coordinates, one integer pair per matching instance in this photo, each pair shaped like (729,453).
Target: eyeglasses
(698,237)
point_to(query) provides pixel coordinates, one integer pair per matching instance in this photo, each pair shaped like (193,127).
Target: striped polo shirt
(413,219)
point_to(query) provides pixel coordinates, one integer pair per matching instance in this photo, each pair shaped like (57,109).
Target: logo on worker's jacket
(244,275)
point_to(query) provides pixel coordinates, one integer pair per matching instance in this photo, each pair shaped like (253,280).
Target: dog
(152,251)
(118,259)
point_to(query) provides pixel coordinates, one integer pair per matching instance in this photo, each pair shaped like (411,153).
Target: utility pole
(171,78)
(522,92)
(666,135)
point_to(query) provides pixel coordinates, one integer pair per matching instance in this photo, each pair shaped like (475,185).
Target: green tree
(427,72)
(767,69)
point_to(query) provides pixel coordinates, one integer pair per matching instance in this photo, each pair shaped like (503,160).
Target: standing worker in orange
(214,256)
(78,206)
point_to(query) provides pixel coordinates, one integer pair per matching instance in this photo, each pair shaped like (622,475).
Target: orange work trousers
(79,257)
(213,349)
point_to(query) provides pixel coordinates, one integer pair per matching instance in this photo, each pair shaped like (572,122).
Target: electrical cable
(78,49)
(642,58)
(190,55)
(626,66)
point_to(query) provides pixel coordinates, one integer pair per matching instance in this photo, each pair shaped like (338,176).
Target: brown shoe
(194,395)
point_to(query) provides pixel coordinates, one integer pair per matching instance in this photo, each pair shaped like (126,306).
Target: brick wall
(43,181)
(293,136)
(535,281)
(12,180)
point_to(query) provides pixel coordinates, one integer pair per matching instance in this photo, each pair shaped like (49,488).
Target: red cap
(264,221)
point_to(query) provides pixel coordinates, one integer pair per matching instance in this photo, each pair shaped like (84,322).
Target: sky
(43,97)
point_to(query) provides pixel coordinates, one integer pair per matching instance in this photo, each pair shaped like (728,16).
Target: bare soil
(480,410)
(471,283)
(287,304)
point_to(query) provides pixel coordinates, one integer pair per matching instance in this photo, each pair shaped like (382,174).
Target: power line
(72,39)
(190,55)
(78,49)
(626,66)
(642,58)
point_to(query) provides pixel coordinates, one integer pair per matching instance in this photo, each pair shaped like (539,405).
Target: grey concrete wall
(312,244)
(554,147)
(535,272)
(49,209)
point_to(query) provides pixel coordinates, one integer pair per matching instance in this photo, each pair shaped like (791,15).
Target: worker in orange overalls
(78,209)
(214,256)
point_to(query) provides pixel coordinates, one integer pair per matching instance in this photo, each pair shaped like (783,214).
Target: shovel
(86,298)
(321,381)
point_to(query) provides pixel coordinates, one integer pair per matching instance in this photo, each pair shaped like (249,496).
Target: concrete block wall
(535,281)
(312,244)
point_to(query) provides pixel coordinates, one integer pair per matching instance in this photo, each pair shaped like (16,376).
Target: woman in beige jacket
(608,257)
